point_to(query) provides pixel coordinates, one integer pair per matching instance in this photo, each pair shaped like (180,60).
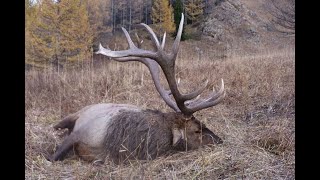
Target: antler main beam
(167,64)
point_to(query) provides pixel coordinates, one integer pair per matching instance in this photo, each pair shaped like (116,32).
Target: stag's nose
(218,140)
(210,135)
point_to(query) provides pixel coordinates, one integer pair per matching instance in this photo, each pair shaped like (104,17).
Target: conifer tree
(59,33)
(194,10)
(162,15)
(178,10)
(40,33)
(30,17)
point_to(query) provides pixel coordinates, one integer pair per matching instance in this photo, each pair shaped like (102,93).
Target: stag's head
(187,130)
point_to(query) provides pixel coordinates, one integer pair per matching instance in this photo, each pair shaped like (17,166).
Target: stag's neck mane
(151,129)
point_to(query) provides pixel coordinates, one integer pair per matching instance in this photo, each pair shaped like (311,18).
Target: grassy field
(256,120)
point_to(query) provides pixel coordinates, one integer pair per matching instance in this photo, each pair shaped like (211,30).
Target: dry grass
(256,119)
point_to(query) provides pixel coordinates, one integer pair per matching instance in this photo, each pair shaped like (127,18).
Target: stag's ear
(177,135)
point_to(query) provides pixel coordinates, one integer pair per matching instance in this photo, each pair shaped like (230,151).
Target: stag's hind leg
(65,147)
(67,122)
(88,153)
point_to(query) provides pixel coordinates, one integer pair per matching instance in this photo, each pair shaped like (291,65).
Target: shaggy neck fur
(141,135)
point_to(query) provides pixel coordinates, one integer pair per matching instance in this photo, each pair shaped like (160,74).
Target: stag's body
(123,131)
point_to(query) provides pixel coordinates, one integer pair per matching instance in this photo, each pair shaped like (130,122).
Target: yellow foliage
(194,9)
(162,15)
(58,32)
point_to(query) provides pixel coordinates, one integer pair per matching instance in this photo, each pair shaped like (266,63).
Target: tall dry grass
(256,119)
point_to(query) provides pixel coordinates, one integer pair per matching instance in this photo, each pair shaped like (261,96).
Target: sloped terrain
(243,25)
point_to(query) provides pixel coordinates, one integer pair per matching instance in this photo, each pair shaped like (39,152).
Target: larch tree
(162,15)
(75,32)
(41,33)
(30,18)
(60,33)
(194,10)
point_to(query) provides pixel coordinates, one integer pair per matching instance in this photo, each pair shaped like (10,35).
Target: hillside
(243,25)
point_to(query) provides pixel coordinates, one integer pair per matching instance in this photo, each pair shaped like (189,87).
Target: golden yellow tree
(59,32)
(162,15)
(194,9)
(30,18)
(41,32)
(75,34)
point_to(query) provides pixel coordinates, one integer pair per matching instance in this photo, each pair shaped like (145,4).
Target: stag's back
(94,121)
(121,132)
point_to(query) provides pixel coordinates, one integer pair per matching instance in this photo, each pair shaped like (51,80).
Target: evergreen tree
(178,10)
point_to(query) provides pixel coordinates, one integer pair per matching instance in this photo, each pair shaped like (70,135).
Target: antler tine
(126,53)
(195,93)
(215,95)
(133,51)
(163,41)
(153,35)
(154,69)
(207,104)
(129,40)
(214,99)
(176,43)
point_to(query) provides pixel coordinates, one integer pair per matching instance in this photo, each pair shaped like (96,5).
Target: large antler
(167,63)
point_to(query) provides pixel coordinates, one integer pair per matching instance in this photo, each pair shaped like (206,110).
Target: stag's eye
(197,131)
